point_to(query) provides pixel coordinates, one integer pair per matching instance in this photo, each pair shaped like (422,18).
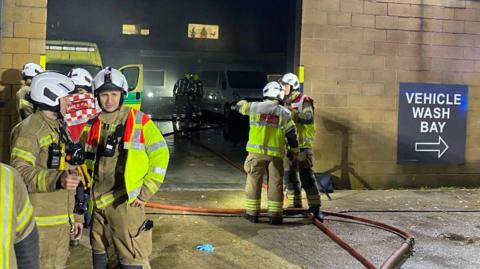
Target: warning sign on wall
(432,120)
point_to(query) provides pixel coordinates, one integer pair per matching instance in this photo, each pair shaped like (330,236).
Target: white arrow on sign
(432,146)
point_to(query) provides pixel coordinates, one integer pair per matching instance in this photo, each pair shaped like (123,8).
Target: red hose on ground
(394,261)
(363,260)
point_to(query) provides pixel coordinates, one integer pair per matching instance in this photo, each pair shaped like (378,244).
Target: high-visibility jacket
(269,123)
(16,215)
(147,156)
(306,132)
(30,140)
(24,106)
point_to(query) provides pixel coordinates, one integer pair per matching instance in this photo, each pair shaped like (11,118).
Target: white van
(228,84)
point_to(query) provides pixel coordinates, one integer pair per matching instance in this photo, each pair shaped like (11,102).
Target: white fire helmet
(292,80)
(47,88)
(109,79)
(31,69)
(81,77)
(274,90)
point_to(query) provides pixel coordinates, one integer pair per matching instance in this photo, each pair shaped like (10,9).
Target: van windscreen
(247,79)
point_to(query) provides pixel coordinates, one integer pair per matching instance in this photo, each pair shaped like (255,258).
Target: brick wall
(22,40)
(356,52)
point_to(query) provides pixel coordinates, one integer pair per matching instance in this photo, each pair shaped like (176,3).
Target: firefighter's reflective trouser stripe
(303,166)
(6,216)
(54,253)
(54,246)
(256,166)
(132,245)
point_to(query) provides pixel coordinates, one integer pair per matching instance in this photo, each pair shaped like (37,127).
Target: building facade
(355,53)
(22,40)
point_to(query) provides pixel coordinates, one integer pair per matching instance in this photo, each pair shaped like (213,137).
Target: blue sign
(432,120)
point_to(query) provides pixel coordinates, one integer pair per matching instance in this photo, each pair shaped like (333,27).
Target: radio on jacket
(54,156)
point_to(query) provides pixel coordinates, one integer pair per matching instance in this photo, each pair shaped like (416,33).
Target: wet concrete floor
(199,178)
(443,239)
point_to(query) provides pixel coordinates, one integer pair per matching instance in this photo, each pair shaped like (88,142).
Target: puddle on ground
(465,240)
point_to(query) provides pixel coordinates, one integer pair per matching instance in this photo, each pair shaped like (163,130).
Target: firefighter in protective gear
(38,153)
(82,80)
(82,102)
(128,158)
(188,92)
(271,126)
(82,107)
(18,232)
(24,105)
(301,107)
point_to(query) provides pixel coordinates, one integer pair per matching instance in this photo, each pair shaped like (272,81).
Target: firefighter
(188,92)
(38,153)
(24,105)
(301,107)
(270,127)
(82,102)
(18,232)
(180,90)
(128,160)
(196,93)
(82,80)
(83,107)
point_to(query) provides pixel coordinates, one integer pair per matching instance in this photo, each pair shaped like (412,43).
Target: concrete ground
(443,239)
(199,178)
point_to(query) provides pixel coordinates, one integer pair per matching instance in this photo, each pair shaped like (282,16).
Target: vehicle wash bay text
(436,112)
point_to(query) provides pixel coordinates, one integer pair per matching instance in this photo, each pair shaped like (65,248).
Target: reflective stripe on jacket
(269,122)
(30,142)
(147,156)
(16,215)
(305,132)
(24,106)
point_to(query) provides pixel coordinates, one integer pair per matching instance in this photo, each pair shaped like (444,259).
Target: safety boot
(251,218)
(276,220)
(317,213)
(99,260)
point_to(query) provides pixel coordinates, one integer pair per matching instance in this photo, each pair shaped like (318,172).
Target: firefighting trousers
(256,166)
(122,224)
(303,167)
(54,244)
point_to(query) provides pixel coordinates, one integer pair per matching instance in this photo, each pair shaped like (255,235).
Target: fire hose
(393,261)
